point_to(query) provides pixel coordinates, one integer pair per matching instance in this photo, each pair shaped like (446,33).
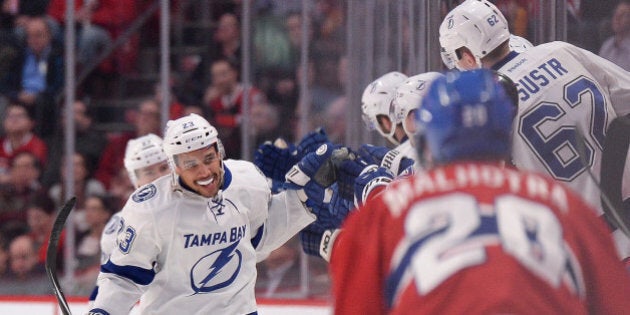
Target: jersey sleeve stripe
(136,274)
(256,239)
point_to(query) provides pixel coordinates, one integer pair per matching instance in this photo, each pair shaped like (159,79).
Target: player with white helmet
(376,106)
(408,96)
(435,243)
(565,94)
(190,242)
(470,36)
(145,160)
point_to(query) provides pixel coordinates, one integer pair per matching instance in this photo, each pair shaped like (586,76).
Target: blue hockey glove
(275,159)
(302,177)
(372,154)
(317,238)
(347,171)
(310,241)
(319,244)
(371,178)
(311,142)
(339,207)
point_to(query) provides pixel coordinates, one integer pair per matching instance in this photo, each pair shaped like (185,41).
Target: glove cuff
(391,161)
(327,243)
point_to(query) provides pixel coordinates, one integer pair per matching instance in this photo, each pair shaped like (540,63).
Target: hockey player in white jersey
(190,242)
(144,161)
(564,92)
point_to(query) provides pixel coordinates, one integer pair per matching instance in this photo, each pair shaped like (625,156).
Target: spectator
(21,189)
(19,137)
(146,119)
(227,45)
(224,98)
(27,275)
(228,39)
(265,123)
(84,185)
(617,47)
(515,11)
(40,214)
(98,210)
(88,142)
(36,75)
(334,121)
(175,108)
(113,16)
(121,187)
(584,21)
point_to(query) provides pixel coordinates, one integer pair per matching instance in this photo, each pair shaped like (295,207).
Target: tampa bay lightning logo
(216,270)
(145,193)
(421,85)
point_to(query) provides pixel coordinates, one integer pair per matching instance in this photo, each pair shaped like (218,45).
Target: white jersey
(392,159)
(181,253)
(561,86)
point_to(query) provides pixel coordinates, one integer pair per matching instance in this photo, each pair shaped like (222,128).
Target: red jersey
(474,238)
(32,143)
(112,159)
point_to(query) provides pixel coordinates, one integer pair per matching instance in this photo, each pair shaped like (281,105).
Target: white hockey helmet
(519,44)
(187,134)
(142,152)
(475,24)
(376,101)
(409,96)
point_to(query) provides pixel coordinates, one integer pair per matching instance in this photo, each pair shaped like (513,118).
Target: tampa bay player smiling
(189,242)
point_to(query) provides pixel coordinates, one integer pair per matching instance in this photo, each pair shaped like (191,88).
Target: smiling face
(201,170)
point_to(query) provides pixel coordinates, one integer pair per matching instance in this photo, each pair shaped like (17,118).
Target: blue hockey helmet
(466,116)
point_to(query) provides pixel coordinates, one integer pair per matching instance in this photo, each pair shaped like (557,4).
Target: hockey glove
(317,238)
(311,142)
(372,154)
(347,171)
(339,207)
(318,244)
(372,177)
(396,162)
(275,159)
(302,177)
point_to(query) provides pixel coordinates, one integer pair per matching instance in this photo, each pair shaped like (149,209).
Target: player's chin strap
(615,145)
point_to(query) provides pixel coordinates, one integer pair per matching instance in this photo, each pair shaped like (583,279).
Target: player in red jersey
(472,236)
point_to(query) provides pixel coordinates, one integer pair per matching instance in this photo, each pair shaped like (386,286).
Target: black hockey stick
(614,156)
(51,253)
(613,213)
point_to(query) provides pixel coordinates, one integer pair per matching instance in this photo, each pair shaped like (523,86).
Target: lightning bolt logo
(224,257)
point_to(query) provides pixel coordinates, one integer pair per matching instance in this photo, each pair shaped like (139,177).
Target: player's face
(147,174)
(201,170)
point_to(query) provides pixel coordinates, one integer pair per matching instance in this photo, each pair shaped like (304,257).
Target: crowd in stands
(32,158)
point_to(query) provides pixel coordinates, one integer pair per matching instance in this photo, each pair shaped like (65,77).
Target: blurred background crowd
(118,98)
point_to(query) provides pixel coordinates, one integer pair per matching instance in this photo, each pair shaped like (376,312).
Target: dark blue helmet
(466,116)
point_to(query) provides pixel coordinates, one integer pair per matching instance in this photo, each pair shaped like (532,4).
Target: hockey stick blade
(51,253)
